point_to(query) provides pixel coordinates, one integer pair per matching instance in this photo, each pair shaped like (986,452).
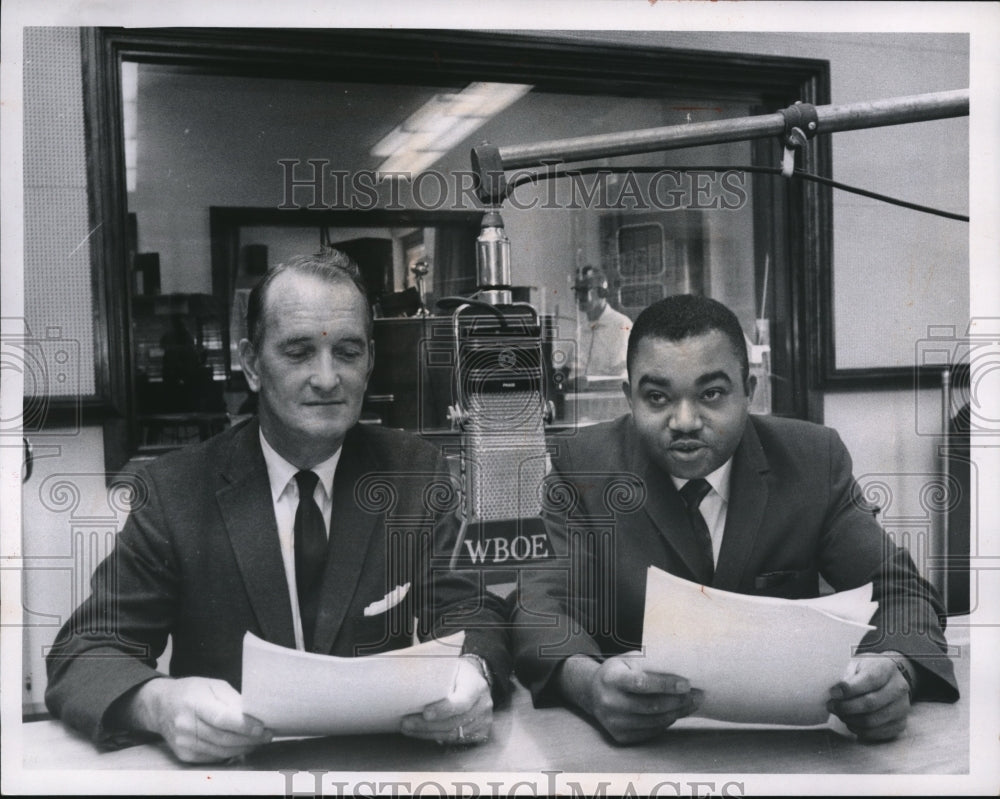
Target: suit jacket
(794,515)
(199,560)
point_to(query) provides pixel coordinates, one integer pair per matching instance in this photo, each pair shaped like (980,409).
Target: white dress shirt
(285,498)
(715,504)
(600,348)
(603,345)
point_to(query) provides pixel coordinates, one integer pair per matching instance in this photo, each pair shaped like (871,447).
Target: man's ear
(751,386)
(627,391)
(248,360)
(371,359)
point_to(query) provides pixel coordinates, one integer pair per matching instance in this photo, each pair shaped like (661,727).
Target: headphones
(590,278)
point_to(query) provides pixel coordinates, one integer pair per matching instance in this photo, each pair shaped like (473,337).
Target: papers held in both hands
(301,693)
(758,659)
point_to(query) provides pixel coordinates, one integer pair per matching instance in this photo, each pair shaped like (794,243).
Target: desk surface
(526,739)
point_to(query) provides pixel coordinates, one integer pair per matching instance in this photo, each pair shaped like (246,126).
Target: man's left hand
(873,699)
(463,717)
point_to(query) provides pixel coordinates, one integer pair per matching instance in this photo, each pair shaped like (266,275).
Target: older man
(269,528)
(751,504)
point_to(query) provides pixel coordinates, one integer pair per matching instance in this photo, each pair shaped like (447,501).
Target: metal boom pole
(489,160)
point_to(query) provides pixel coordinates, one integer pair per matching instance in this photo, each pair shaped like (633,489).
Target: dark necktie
(310,553)
(693,492)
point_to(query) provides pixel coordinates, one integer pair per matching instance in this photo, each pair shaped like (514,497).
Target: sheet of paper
(301,693)
(757,659)
(853,605)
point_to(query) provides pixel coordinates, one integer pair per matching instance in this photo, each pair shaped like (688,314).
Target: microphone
(493,261)
(500,408)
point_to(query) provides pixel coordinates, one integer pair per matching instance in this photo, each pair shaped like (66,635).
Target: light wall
(69,518)
(57,289)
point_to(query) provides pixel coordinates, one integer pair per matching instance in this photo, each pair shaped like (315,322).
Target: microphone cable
(534,177)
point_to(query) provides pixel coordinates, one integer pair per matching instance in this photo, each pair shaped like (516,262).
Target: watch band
(902,663)
(484,667)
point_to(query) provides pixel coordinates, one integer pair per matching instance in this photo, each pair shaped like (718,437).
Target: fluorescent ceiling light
(441,123)
(130,94)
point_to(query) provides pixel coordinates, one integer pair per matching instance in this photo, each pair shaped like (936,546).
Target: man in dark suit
(774,508)
(301,526)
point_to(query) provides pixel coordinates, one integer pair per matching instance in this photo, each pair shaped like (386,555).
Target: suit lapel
(248,513)
(665,509)
(350,534)
(747,500)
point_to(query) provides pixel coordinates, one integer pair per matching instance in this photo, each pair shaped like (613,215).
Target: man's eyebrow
(711,377)
(292,341)
(361,341)
(664,382)
(653,380)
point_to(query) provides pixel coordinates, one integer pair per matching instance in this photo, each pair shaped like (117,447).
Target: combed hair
(593,276)
(683,315)
(329,264)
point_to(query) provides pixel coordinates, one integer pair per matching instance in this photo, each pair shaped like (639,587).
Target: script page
(758,660)
(302,693)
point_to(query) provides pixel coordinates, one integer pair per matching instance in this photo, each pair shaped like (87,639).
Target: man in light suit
(775,507)
(221,545)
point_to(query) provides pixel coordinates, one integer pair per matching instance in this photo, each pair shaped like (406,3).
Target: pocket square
(390,600)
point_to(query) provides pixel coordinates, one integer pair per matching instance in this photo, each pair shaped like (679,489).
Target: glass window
(383,171)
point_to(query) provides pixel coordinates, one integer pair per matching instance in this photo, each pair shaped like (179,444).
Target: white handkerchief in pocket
(390,600)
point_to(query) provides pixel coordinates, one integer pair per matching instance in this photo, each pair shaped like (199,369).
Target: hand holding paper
(873,699)
(464,716)
(757,659)
(301,693)
(631,703)
(200,718)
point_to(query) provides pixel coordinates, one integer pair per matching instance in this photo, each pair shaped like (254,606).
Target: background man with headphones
(602,341)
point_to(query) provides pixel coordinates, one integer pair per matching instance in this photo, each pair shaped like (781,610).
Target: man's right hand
(201,719)
(631,704)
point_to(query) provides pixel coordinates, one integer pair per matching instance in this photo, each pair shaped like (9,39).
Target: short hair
(682,315)
(329,264)
(590,277)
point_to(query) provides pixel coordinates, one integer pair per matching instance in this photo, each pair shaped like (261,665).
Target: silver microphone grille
(505,443)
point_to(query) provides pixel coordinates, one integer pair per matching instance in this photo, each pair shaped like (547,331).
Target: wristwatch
(906,669)
(484,668)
